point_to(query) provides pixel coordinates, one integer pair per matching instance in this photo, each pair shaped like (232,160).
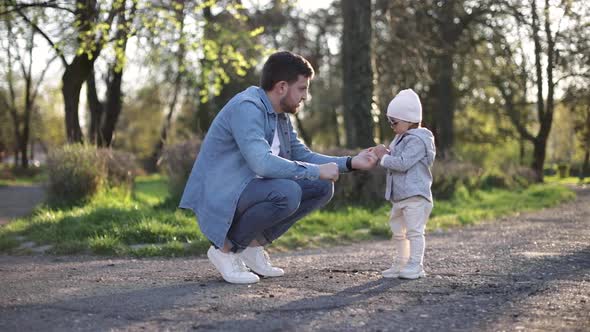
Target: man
(253,178)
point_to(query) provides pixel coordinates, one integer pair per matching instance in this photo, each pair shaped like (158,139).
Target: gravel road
(529,272)
(18,201)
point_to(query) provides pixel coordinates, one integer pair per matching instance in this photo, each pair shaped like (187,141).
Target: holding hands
(365,160)
(380,150)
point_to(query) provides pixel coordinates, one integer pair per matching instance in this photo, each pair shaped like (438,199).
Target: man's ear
(282,87)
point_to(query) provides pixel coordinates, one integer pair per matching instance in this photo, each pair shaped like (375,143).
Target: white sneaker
(392,272)
(412,270)
(231,267)
(258,261)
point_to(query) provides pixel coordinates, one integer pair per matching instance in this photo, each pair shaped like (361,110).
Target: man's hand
(380,150)
(329,171)
(365,160)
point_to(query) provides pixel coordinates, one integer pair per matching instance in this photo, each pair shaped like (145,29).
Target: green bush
(563,171)
(511,178)
(75,173)
(122,167)
(524,176)
(178,160)
(495,179)
(450,175)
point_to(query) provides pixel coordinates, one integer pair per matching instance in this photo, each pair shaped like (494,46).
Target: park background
(104,103)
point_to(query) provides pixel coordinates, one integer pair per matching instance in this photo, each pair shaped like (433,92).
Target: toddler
(408,162)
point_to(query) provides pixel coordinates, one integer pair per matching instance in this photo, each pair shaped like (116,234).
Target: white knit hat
(406,106)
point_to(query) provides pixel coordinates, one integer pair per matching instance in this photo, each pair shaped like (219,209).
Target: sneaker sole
(266,274)
(390,275)
(413,276)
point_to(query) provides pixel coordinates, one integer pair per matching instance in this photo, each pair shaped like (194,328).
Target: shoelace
(265,257)
(238,265)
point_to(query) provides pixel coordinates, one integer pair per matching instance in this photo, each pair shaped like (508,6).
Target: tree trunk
(73,78)
(114,95)
(444,110)
(96,109)
(357,93)
(586,165)
(539,157)
(113,109)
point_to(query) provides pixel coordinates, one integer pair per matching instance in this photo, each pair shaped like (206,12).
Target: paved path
(18,201)
(525,273)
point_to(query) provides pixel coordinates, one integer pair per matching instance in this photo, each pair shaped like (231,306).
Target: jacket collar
(265,100)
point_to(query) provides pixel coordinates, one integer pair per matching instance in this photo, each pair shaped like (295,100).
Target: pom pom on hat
(406,106)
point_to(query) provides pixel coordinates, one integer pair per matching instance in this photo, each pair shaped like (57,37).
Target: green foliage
(105,244)
(137,132)
(76,172)
(488,204)
(116,223)
(151,190)
(449,175)
(111,223)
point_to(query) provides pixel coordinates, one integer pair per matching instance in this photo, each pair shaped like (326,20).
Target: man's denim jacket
(235,150)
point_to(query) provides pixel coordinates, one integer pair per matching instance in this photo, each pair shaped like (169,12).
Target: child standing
(408,162)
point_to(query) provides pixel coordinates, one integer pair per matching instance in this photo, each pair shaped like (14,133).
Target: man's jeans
(269,207)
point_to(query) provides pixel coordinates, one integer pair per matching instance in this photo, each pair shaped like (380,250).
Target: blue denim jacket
(235,150)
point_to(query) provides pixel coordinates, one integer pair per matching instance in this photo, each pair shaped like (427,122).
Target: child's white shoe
(413,270)
(401,256)
(392,272)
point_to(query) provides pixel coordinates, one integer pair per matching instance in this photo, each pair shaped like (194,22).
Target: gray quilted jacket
(408,165)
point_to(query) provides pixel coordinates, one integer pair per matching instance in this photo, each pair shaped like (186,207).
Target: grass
(116,222)
(571,180)
(29,177)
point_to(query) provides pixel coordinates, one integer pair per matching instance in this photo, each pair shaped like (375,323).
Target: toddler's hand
(380,150)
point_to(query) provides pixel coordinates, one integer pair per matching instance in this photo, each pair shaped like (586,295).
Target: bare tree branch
(42,33)
(49,4)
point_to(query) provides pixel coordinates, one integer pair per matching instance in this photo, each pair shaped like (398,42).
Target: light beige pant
(407,221)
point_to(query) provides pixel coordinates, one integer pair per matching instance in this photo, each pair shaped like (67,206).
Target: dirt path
(530,272)
(18,201)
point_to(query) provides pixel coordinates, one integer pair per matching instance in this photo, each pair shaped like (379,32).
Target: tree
(551,35)
(104,116)
(357,74)
(398,63)
(20,101)
(315,35)
(577,99)
(90,21)
(452,25)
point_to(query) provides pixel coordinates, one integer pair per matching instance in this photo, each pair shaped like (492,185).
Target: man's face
(296,94)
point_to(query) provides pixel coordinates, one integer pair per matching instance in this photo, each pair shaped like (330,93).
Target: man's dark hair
(284,66)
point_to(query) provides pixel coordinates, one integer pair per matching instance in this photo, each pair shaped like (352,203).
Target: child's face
(398,126)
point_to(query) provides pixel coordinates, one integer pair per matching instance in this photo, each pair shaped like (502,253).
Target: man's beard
(290,109)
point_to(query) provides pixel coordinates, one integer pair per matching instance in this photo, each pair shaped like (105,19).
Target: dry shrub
(450,175)
(178,160)
(75,172)
(122,167)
